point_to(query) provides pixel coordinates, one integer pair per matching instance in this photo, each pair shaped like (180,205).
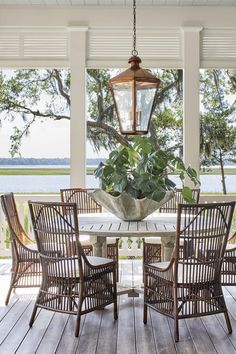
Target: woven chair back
(80,196)
(172,205)
(56,233)
(203,230)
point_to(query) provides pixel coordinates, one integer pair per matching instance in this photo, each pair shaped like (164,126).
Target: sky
(48,139)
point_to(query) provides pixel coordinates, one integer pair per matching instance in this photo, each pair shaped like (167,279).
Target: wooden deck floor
(54,332)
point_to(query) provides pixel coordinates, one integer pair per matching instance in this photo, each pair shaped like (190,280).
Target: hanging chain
(134,51)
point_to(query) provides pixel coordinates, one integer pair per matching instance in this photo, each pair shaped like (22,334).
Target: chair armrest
(25,235)
(162,270)
(232,237)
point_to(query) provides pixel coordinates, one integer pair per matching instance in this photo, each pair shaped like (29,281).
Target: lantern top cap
(134,60)
(135,73)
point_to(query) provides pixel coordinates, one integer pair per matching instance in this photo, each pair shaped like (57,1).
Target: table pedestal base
(131,291)
(167,247)
(99,246)
(100,250)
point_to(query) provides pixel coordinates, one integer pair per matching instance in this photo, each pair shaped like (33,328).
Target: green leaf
(187,195)
(158,195)
(107,170)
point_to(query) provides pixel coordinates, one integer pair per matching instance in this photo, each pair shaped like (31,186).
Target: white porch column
(78,127)
(191,122)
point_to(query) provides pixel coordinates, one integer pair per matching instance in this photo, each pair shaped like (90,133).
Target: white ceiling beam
(117,16)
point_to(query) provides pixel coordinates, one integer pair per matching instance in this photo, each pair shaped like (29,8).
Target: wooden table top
(105,225)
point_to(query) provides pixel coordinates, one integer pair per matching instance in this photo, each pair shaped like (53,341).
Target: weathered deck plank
(18,332)
(186,345)
(88,338)
(126,341)
(54,333)
(144,334)
(162,334)
(12,318)
(107,340)
(35,334)
(218,335)
(200,337)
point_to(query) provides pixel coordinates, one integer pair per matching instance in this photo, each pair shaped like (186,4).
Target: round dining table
(103,225)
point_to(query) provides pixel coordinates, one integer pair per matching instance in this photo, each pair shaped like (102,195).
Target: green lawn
(228,171)
(39,171)
(90,169)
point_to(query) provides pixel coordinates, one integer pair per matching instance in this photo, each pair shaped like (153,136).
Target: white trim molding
(78,125)
(191,124)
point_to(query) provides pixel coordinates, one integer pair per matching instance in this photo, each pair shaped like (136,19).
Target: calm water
(44,184)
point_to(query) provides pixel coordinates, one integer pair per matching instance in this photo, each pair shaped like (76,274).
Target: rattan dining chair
(190,284)
(85,204)
(72,282)
(152,249)
(26,268)
(228,272)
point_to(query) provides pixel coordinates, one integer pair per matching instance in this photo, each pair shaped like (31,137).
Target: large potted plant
(134,180)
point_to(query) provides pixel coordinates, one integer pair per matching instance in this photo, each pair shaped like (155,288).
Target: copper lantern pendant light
(134,92)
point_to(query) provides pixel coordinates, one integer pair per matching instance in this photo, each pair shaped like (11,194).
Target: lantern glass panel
(123,98)
(145,95)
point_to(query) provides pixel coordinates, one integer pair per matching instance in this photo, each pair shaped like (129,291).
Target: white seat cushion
(98,261)
(70,268)
(230,247)
(161,265)
(206,272)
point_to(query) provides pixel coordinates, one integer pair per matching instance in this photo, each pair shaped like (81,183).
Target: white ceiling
(122,2)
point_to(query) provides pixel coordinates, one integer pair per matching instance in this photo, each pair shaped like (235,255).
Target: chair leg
(78,320)
(115,293)
(115,310)
(77,327)
(13,278)
(117,270)
(33,315)
(8,295)
(145,314)
(176,329)
(145,293)
(228,322)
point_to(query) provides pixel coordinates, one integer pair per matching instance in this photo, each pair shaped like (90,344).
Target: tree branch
(216,80)
(91,124)
(56,75)
(109,130)
(26,110)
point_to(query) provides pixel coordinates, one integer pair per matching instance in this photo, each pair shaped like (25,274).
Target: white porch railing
(128,247)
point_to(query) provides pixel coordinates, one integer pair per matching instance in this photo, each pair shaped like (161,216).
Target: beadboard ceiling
(121,2)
